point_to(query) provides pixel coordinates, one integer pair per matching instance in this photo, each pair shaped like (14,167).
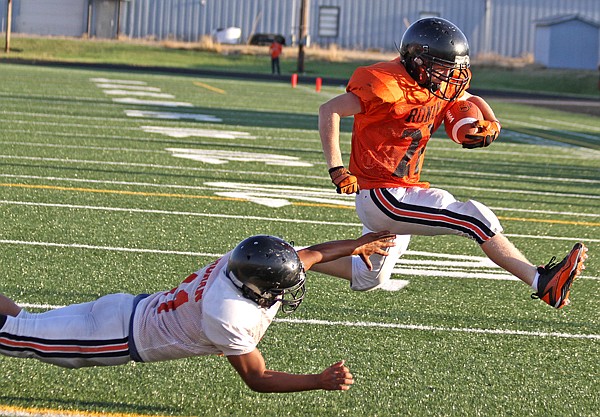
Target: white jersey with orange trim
(206,314)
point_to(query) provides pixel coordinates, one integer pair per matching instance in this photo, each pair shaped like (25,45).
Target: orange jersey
(391,132)
(275,49)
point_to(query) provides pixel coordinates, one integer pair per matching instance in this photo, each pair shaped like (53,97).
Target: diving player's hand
(336,377)
(344,181)
(374,243)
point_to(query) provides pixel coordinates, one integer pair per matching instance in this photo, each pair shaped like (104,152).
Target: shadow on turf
(195,176)
(239,117)
(94,406)
(497,199)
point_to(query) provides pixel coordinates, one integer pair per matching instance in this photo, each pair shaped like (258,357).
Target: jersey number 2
(403,168)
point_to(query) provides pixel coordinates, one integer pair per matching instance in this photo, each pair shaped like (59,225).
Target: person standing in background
(275,49)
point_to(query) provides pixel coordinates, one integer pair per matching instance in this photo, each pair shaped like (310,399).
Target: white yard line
(400,326)
(177,213)
(545,127)
(439,329)
(476,174)
(179,168)
(107,248)
(475,268)
(258,218)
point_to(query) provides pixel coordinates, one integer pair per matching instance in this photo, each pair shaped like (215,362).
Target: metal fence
(503,27)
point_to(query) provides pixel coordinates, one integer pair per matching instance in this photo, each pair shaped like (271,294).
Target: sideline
(11,411)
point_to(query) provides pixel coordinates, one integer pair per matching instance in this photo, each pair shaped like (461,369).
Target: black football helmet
(267,269)
(436,55)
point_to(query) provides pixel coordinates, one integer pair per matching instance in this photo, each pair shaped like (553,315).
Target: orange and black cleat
(555,280)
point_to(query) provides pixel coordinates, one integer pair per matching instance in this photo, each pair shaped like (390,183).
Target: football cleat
(555,279)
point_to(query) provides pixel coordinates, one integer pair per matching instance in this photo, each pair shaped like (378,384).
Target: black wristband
(334,168)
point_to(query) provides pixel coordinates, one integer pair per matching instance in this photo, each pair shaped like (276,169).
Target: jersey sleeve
(373,87)
(228,338)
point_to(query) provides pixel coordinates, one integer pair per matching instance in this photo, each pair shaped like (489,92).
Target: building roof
(555,20)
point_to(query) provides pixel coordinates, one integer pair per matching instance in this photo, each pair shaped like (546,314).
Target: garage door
(50,17)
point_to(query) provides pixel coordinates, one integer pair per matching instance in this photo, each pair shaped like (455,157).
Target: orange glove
(487,133)
(344,181)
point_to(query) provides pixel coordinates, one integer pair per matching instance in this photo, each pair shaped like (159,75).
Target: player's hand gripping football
(487,133)
(344,181)
(336,377)
(373,242)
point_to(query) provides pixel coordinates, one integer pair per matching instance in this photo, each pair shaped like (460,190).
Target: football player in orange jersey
(397,105)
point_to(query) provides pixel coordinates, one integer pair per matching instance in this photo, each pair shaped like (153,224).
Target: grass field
(116,181)
(492,73)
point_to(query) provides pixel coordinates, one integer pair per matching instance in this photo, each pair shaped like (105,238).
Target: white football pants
(415,211)
(88,334)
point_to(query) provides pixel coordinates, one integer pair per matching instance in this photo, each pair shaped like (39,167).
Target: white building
(498,27)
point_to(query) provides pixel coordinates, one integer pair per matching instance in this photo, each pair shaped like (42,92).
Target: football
(459,118)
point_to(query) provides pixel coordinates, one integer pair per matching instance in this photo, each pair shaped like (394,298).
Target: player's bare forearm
(336,377)
(329,130)
(365,246)
(274,381)
(330,115)
(251,367)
